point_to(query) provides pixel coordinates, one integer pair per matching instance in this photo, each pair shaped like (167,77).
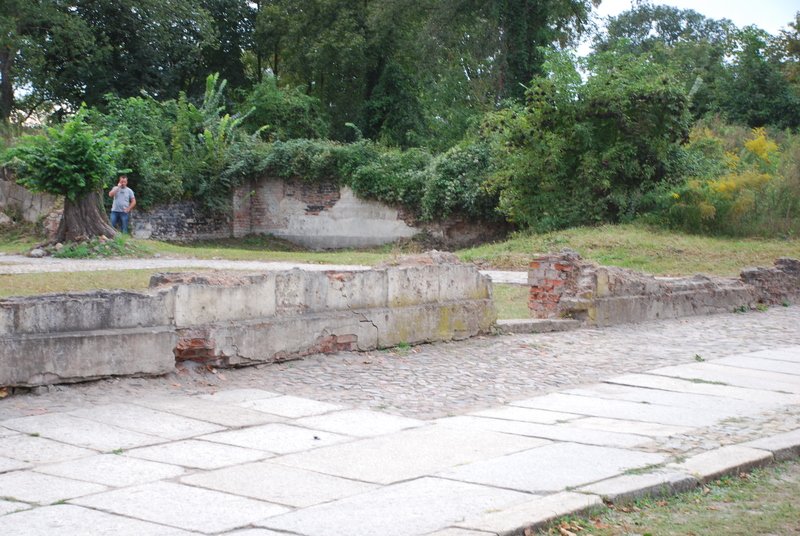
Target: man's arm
(113,191)
(133,204)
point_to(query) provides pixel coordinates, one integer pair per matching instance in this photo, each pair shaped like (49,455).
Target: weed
(698,357)
(34,434)
(785,303)
(741,309)
(700,380)
(118,451)
(762,307)
(644,470)
(403,346)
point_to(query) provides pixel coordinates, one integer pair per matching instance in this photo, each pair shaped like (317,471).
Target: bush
(587,152)
(282,113)
(751,190)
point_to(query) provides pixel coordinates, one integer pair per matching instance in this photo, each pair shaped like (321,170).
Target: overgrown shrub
(282,113)
(587,152)
(753,189)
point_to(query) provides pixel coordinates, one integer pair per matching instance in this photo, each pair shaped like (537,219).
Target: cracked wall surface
(239,319)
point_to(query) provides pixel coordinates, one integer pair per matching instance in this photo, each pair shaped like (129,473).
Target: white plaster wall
(351,222)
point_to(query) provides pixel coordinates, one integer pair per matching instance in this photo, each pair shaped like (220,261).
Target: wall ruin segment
(564,286)
(238,319)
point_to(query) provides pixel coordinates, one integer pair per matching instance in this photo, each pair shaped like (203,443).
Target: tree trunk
(84,219)
(6,86)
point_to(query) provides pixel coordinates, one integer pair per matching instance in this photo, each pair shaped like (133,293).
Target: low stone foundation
(233,320)
(564,286)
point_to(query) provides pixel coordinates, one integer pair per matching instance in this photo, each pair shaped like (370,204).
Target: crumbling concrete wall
(234,320)
(564,286)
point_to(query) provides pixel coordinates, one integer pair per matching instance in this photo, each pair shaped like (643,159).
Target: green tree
(587,152)
(75,161)
(755,91)
(692,45)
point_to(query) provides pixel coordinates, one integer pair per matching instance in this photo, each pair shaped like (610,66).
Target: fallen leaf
(3,392)
(565,532)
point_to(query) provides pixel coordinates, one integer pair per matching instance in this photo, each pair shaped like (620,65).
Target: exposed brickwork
(550,277)
(196,346)
(316,196)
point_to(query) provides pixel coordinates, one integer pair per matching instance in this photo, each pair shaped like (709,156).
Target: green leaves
(72,159)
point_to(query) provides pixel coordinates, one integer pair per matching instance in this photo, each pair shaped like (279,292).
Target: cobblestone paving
(437,380)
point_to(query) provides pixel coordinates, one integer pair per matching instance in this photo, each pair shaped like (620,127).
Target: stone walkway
(477,437)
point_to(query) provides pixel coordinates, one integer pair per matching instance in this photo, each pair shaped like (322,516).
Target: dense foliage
(463,107)
(71,159)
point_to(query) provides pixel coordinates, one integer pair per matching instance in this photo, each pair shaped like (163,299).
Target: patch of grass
(249,250)
(701,380)
(119,246)
(18,238)
(511,301)
(639,247)
(762,502)
(42,283)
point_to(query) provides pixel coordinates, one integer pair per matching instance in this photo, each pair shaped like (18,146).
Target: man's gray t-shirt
(122,200)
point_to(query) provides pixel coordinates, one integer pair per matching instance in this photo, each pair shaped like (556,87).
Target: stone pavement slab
(198,454)
(43,489)
(782,446)
(532,470)
(650,429)
(408,454)
(514,413)
(622,409)
(755,363)
(112,470)
(39,450)
(68,520)
(81,432)
(547,431)
(791,353)
(255,532)
(8,507)
(147,421)
(278,484)
(182,507)
(359,423)
(277,438)
(210,410)
(753,379)
(397,510)
(460,532)
(669,398)
(7,464)
(533,514)
(235,396)
(290,406)
(683,385)
(730,460)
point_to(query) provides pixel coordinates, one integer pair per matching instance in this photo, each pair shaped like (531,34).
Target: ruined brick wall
(180,221)
(564,286)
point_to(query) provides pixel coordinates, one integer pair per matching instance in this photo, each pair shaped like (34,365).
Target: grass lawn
(763,502)
(648,249)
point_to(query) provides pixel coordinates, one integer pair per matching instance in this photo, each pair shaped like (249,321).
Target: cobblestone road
(431,381)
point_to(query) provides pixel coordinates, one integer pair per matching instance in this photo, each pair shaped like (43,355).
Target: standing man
(124,201)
